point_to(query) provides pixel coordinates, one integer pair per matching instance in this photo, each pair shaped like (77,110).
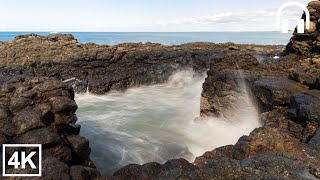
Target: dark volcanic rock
(316,139)
(306,107)
(55,169)
(267,139)
(230,83)
(274,91)
(29,116)
(221,93)
(309,42)
(225,151)
(80,146)
(306,72)
(84,173)
(39,136)
(224,87)
(170,169)
(105,68)
(27,120)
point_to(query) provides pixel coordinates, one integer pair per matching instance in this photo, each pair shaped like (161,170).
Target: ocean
(156,123)
(170,38)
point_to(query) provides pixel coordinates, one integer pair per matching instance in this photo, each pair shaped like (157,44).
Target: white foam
(156,123)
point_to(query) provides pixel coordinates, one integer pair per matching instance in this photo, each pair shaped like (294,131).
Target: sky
(142,15)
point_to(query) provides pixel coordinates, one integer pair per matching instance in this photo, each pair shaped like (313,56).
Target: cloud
(263,19)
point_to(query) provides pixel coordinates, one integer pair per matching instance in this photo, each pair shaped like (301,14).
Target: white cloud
(257,20)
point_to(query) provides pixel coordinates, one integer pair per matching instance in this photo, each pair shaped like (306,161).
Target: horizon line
(58,32)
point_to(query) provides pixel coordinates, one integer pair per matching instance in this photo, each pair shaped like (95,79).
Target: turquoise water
(171,38)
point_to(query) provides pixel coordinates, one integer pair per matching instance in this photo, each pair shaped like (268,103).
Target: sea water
(157,123)
(170,38)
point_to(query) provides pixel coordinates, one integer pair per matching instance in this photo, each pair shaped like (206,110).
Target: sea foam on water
(156,123)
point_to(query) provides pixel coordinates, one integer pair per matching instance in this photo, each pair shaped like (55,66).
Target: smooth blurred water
(156,123)
(171,38)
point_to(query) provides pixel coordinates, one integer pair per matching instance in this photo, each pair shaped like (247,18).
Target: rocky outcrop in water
(42,111)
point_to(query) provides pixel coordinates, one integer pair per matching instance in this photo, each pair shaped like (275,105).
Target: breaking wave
(156,123)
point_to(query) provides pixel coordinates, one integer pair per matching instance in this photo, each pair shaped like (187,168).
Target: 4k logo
(21,159)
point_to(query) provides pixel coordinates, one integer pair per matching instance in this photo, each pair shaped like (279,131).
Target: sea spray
(156,123)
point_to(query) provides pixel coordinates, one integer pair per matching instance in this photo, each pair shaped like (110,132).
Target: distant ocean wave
(170,38)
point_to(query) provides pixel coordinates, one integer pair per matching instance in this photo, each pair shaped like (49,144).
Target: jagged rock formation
(104,68)
(308,43)
(42,111)
(285,147)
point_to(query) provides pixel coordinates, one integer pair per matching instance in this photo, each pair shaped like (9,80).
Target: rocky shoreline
(39,75)
(105,68)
